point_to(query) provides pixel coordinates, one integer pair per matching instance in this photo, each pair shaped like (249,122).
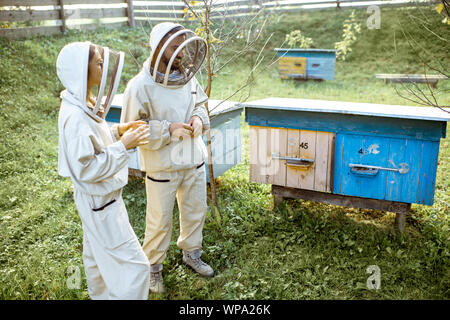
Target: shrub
(351,28)
(296,39)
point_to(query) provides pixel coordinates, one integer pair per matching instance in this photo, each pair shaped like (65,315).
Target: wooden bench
(419,78)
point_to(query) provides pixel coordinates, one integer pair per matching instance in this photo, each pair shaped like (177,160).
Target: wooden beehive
(316,64)
(355,154)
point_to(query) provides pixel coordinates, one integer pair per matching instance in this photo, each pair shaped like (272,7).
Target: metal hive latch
(363,169)
(292,161)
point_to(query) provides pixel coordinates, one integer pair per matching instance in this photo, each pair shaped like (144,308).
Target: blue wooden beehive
(225,134)
(316,64)
(381,156)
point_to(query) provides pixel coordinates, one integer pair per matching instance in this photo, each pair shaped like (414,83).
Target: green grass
(304,250)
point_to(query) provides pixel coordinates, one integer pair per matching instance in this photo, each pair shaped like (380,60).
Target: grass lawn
(304,250)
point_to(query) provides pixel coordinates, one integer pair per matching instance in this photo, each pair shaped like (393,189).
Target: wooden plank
(397,153)
(292,67)
(307,151)
(94,26)
(20,33)
(375,153)
(282,149)
(427,178)
(292,175)
(364,3)
(264,145)
(95,13)
(278,145)
(338,163)
(341,200)
(224,5)
(153,14)
(364,150)
(322,159)
(253,155)
(232,3)
(352,144)
(80,2)
(413,157)
(34,15)
(4,3)
(165,7)
(411,76)
(149,21)
(331,163)
(28,15)
(271,164)
(260,149)
(233,12)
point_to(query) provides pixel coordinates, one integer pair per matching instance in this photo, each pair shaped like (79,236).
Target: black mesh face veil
(173,71)
(111,72)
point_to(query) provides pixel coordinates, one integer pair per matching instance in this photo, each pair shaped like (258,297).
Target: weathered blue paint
(427,178)
(114,114)
(320,63)
(337,122)
(414,186)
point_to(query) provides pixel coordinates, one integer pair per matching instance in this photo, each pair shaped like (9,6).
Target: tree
(429,59)
(218,37)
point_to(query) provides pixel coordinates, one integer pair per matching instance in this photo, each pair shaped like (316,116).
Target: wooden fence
(24,18)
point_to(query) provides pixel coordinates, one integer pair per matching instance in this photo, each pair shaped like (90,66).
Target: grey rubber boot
(156,279)
(193,260)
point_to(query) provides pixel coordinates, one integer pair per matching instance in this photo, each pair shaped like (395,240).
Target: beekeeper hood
(72,69)
(177,65)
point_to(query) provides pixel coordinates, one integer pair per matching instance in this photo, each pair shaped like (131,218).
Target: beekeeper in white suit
(167,95)
(97,162)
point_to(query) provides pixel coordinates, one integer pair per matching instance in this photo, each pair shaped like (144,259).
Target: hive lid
(226,106)
(217,107)
(355,108)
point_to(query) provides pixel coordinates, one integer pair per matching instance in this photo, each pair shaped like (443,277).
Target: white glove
(197,125)
(180,131)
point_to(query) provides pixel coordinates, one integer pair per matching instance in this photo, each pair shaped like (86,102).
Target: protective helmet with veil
(111,72)
(72,67)
(177,54)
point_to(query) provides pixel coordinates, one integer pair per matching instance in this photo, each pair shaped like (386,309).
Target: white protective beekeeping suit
(89,153)
(174,169)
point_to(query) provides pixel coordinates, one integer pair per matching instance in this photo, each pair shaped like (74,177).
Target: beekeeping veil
(173,73)
(72,69)
(112,70)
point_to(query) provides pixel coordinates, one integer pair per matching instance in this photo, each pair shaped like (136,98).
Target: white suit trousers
(189,188)
(115,265)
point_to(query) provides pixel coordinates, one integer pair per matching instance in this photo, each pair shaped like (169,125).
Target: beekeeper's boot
(193,260)
(156,279)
